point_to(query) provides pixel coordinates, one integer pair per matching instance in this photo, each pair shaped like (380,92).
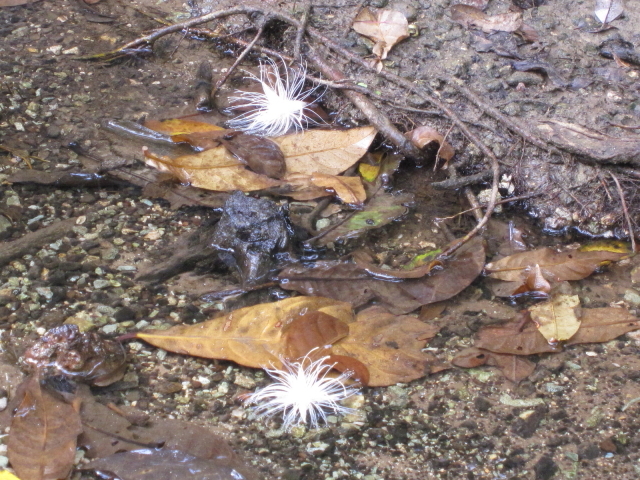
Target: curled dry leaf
(351,283)
(514,367)
(44,430)
(424,135)
(390,346)
(559,319)
(385,27)
(251,336)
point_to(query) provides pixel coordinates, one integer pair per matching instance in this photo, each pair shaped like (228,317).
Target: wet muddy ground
(566,421)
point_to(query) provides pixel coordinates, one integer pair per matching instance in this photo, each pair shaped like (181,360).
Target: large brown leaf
(325,151)
(44,430)
(350,283)
(604,324)
(390,346)
(514,367)
(251,336)
(472,17)
(518,337)
(555,266)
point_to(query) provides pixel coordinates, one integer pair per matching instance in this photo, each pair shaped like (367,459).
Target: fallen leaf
(472,17)
(591,144)
(608,10)
(311,331)
(363,260)
(517,337)
(213,169)
(350,283)
(555,266)
(424,135)
(385,27)
(181,126)
(599,325)
(380,210)
(7,475)
(260,154)
(390,346)
(559,319)
(251,336)
(325,151)
(514,367)
(348,189)
(44,430)
(163,464)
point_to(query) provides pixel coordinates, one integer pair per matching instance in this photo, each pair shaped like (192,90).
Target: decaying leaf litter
(536,278)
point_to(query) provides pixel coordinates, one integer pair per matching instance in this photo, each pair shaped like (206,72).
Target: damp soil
(566,421)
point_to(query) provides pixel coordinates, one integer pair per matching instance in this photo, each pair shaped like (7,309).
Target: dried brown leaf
(385,27)
(424,135)
(325,151)
(390,346)
(251,336)
(472,17)
(310,331)
(44,430)
(260,154)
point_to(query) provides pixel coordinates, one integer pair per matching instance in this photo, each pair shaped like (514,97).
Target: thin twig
(369,110)
(498,115)
(297,48)
(482,205)
(626,212)
(244,53)
(459,182)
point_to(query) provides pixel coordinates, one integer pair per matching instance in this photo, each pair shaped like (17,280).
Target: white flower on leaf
(280,107)
(303,393)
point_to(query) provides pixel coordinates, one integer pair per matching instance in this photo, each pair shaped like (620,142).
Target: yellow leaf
(180,126)
(251,336)
(6,475)
(368,172)
(557,320)
(325,151)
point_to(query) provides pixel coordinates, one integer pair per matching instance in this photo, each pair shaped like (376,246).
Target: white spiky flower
(280,107)
(303,393)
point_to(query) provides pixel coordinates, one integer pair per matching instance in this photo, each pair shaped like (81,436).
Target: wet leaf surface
(390,346)
(44,429)
(517,337)
(513,367)
(558,319)
(313,330)
(164,464)
(554,266)
(599,325)
(251,336)
(260,154)
(381,210)
(472,17)
(84,356)
(385,27)
(181,126)
(348,282)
